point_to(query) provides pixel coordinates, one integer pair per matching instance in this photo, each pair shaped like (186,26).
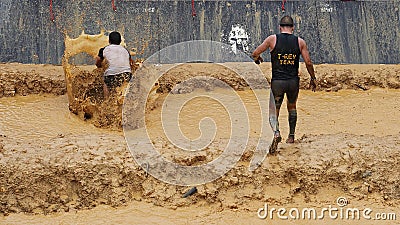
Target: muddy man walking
(285,49)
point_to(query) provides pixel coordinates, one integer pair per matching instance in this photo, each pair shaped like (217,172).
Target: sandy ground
(347,145)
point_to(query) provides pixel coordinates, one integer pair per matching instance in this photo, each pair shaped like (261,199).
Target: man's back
(118,59)
(285,57)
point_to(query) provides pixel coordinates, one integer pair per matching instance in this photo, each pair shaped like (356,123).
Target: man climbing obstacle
(285,49)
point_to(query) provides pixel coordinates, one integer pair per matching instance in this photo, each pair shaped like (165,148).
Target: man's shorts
(280,87)
(113,81)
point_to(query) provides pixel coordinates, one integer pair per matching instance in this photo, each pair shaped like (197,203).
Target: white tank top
(118,60)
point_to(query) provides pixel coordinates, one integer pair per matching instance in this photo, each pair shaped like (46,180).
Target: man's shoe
(275,142)
(290,139)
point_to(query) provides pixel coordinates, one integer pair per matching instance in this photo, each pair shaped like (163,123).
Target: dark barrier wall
(336,31)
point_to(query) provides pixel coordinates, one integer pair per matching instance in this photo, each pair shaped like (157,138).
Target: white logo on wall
(326,8)
(238,39)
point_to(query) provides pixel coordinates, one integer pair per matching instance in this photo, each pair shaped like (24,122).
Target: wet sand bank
(24,79)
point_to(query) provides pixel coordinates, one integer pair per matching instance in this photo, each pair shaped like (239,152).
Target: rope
(51,11)
(193,10)
(193,22)
(283,5)
(113,5)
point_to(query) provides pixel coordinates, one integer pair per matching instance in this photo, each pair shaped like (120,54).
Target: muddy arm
(99,62)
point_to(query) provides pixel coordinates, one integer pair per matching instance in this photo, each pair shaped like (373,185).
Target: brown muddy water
(374,112)
(36,116)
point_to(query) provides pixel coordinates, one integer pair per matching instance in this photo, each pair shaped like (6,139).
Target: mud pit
(52,162)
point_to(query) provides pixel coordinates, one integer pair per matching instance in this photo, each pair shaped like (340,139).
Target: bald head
(286,21)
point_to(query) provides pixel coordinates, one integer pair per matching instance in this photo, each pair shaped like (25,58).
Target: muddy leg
(106,91)
(292,121)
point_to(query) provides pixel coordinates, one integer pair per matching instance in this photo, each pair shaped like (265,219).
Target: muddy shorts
(113,81)
(280,87)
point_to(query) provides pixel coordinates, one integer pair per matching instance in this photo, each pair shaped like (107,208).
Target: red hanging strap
(283,5)
(113,5)
(51,11)
(193,9)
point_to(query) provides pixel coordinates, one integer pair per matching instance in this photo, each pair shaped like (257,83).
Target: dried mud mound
(223,72)
(337,77)
(80,172)
(25,79)
(329,77)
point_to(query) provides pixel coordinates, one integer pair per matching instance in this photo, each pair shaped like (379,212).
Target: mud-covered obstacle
(85,88)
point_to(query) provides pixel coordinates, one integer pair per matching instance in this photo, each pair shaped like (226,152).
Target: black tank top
(285,57)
